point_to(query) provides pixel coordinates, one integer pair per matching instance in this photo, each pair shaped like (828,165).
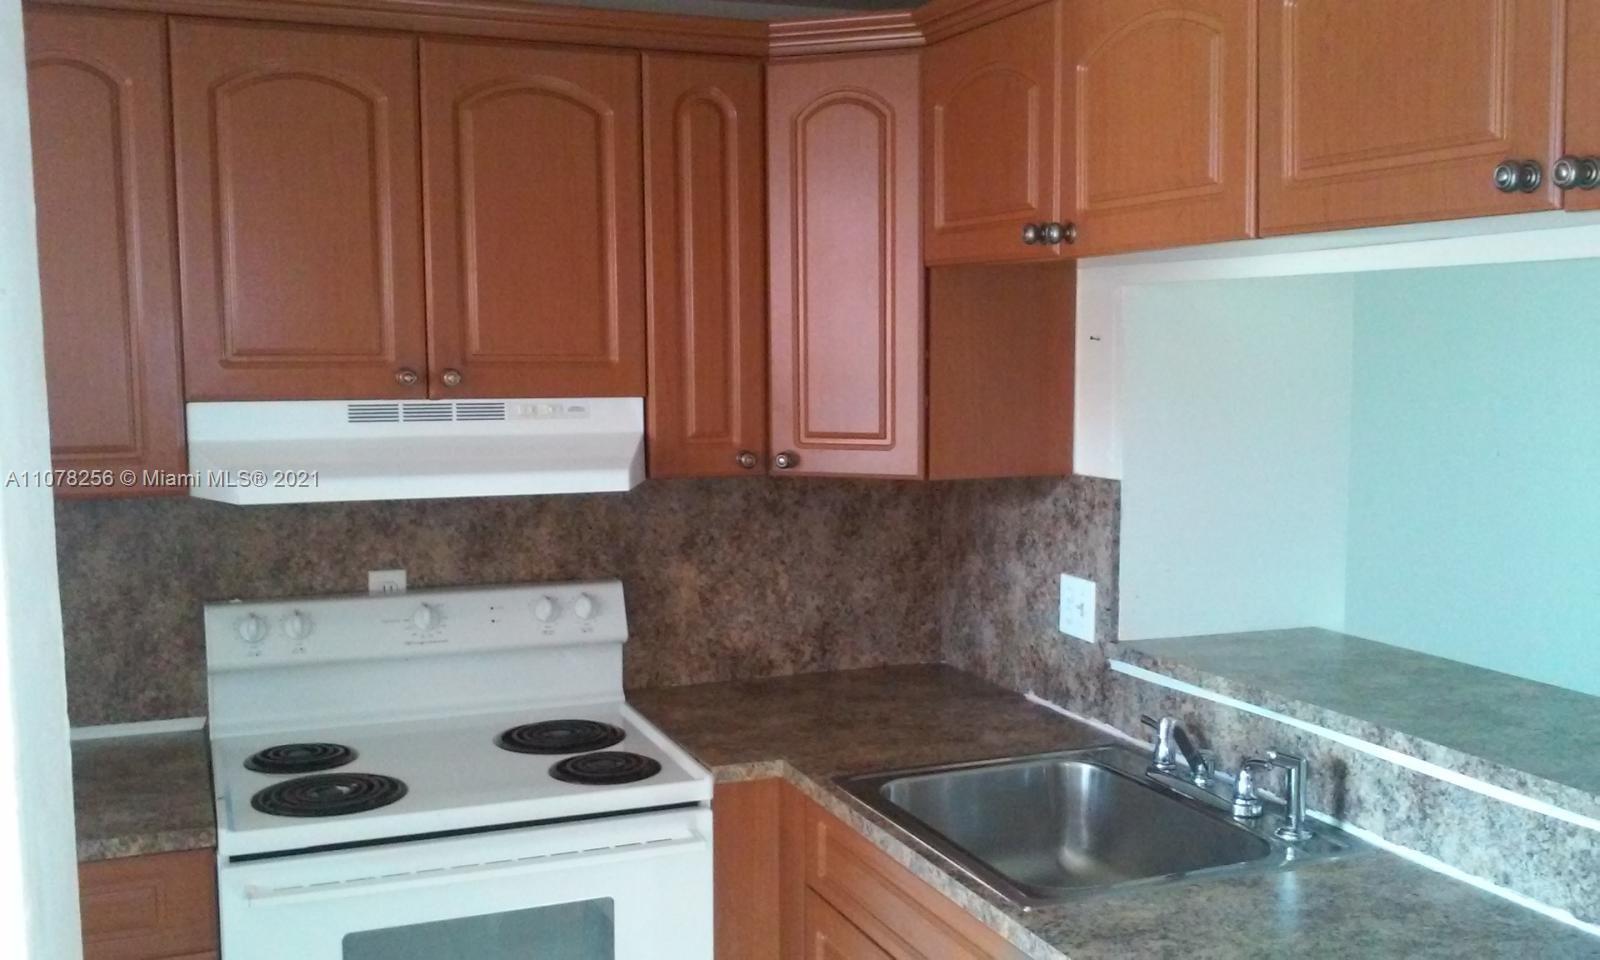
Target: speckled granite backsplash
(726,579)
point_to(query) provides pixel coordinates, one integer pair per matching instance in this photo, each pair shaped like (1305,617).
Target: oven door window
(584,930)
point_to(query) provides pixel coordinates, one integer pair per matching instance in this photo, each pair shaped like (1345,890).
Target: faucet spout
(1172,742)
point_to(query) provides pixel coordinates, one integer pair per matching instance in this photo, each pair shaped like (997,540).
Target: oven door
(617,888)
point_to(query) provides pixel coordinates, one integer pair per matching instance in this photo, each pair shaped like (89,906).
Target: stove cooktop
(405,778)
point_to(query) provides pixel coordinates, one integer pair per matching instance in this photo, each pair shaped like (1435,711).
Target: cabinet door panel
(1583,92)
(705,182)
(299,210)
(1388,111)
(97,94)
(1163,122)
(535,220)
(829,936)
(161,906)
(993,160)
(846,281)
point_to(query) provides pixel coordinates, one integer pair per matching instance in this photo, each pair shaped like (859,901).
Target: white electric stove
(448,774)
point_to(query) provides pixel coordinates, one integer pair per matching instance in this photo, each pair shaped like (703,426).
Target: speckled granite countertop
(812,727)
(1505,730)
(143,794)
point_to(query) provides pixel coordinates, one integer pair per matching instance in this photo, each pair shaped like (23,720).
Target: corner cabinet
(1378,111)
(1163,122)
(992,117)
(97,95)
(535,220)
(705,183)
(299,212)
(846,266)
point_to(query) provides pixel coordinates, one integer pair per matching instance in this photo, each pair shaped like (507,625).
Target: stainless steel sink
(1047,828)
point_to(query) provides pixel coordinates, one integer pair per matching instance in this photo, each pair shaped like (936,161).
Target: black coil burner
(300,758)
(607,768)
(328,795)
(560,736)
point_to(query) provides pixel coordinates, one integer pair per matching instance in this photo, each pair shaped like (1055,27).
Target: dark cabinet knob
(1030,233)
(1576,173)
(747,459)
(1055,233)
(787,460)
(1518,176)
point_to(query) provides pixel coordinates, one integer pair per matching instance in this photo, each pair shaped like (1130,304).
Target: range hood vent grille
(443,411)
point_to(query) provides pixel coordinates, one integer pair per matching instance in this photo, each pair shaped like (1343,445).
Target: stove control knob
(252,629)
(296,626)
(426,617)
(546,609)
(585,607)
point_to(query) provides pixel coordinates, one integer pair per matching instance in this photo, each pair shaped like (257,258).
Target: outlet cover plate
(1077,608)
(386,581)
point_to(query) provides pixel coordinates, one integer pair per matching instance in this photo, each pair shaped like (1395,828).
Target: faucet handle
(1246,797)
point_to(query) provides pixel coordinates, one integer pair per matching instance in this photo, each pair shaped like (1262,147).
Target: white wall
(1408,456)
(1475,467)
(1235,404)
(38,865)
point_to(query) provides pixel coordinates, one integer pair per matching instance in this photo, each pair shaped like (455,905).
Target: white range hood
(307,451)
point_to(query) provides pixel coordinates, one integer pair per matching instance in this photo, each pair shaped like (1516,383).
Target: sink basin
(1048,828)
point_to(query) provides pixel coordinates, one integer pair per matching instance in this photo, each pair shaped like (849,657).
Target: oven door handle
(258,895)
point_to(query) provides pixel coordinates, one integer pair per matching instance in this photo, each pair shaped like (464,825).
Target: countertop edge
(1454,759)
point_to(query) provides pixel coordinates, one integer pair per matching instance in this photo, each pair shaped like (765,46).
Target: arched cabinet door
(1162,120)
(991,115)
(299,211)
(97,94)
(535,215)
(1392,111)
(704,184)
(846,266)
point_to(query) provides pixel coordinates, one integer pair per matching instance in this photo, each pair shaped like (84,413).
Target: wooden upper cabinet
(299,211)
(846,263)
(992,162)
(1583,93)
(1162,122)
(705,182)
(535,218)
(1387,111)
(97,94)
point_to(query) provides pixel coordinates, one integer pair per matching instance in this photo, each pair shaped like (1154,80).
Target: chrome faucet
(1172,742)
(1247,799)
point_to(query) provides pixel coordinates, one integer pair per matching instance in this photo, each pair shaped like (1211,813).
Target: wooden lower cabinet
(829,936)
(796,883)
(162,906)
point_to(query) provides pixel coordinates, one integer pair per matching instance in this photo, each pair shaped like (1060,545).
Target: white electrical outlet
(386,581)
(1077,608)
